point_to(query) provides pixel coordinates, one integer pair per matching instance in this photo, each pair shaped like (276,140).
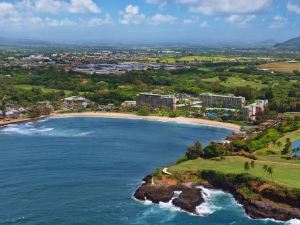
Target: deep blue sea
(83,171)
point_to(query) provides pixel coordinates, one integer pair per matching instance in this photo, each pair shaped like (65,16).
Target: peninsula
(260,172)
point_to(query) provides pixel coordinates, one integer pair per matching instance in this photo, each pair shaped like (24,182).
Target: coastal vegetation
(27,86)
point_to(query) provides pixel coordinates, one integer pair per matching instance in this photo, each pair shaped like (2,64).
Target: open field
(285,172)
(281,67)
(44,89)
(192,59)
(236,82)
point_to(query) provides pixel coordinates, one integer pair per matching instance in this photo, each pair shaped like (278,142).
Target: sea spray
(32,129)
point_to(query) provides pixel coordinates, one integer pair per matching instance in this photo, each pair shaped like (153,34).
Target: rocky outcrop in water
(188,200)
(154,193)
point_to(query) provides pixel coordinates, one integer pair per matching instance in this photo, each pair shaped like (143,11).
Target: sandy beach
(151,118)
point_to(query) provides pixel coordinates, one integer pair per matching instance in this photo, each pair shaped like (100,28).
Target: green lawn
(293,136)
(285,172)
(44,89)
(236,82)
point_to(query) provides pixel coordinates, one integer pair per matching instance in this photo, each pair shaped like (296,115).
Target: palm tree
(252,164)
(279,143)
(270,171)
(246,166)
(265,168)
(3,105)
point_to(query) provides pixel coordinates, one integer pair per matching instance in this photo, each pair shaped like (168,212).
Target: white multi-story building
(222,101)
(250,111)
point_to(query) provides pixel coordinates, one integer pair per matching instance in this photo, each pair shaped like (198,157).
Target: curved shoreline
(184,120)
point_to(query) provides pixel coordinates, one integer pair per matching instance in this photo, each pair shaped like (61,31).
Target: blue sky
(186,21)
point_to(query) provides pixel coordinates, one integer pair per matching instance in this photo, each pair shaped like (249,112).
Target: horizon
(199,22)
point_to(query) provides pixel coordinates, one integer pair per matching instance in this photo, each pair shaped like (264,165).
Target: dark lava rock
(189,199)
(147,179)
(154,193)
(266,209)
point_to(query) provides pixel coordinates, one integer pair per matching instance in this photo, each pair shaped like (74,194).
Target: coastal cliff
(260,199)
(188,199)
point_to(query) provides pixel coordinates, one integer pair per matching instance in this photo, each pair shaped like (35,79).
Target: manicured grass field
(285,172)
(293,136)
(236,82)
(44,89)
(281,67)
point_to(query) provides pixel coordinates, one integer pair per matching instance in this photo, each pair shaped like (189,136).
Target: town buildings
(250,111)
(222,101)
(156,100)
(129,104)
(75,101)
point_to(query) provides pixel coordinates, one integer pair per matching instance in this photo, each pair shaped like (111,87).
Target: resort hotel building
(222,101)
(156,100)
(250,111)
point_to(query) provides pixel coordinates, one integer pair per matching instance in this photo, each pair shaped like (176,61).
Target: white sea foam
(29,129)
(211,205)
(293,222)
(210,198)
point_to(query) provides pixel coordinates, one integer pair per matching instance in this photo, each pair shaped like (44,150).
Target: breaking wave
(210,204)
(32,129)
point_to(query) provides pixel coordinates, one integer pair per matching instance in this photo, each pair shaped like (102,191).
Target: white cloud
(7,9)
(215,7)
(240,20)
(293,7)
(278,22)
(59,23)
(131,15)
(94,22)
(162,19)
(57,6)
(193,20)
(83,6)
(48,6)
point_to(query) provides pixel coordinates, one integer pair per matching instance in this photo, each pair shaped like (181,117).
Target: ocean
(82,171)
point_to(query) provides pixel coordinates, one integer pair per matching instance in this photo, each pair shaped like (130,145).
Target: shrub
(194,151)
(143,111)
(158,173)
(213,150)
(182,159)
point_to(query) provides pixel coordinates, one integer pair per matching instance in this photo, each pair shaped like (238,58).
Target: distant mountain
(292,44)
(268,42)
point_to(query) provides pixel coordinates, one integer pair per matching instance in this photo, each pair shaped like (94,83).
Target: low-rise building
(129,104)
(250,111)
(222,101)
(106,108)
(156,100)
(76,101)
(11,113)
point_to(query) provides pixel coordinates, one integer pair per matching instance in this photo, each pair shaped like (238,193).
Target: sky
(151,21)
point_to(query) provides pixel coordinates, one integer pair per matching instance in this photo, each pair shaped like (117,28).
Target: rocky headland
(259,199)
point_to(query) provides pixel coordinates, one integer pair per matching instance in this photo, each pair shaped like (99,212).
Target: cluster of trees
(213,150)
